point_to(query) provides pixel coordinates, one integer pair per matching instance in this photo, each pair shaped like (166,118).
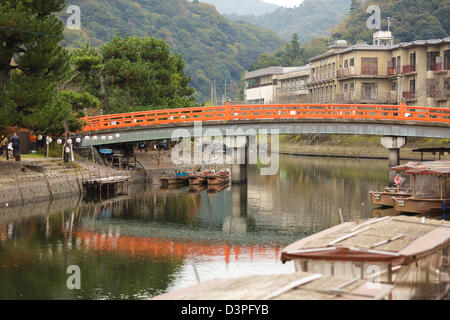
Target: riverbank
(356,147)
(36,179)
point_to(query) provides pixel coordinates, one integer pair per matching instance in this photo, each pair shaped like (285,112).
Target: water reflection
(144,244)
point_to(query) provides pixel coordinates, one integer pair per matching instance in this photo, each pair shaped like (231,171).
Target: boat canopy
(295,286)
(398,240)
(405,167)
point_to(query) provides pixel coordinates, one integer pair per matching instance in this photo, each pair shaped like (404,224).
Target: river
(155,241)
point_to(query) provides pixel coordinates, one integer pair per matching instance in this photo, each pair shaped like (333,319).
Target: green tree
(32,62)
(144,74)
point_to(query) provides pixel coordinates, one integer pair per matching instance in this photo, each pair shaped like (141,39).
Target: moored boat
(219,178)
(430,189)
(410,253)
(199,178)
(179,179)
(402,189)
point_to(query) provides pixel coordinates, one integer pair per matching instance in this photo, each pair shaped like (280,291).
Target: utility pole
(215,94)
(212,93)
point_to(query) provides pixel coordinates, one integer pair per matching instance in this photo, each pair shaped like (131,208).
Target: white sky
(285,3)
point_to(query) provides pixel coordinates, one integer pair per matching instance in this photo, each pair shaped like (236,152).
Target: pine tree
(143,74)
(32,62)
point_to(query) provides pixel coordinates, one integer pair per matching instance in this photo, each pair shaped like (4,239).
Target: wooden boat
(199,178)
(430,189)
(221,177)
(177,180)
(294,286)
(403,190)
(410,253)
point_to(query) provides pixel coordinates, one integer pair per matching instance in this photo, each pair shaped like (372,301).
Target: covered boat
(430,189)
(409,252)
(221,177)
(294,286)
(401,190)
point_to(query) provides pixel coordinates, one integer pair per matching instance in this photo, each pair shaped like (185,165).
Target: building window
(431,60)
(345,88)
(352,62)
(346,64)
(369,66)
(412,85)
(447,60)
(412,59)
(352,87)
(369,91)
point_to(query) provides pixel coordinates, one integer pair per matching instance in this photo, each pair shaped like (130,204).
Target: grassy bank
(355,146)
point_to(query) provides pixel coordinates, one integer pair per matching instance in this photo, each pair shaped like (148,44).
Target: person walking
(4,147)
(16,146)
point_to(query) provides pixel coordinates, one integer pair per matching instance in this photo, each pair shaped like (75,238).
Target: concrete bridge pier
(239,169)
(393,144)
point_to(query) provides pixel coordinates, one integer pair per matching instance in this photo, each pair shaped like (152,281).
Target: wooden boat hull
(197,180)
(386,198)
(422,206)
(384,212)
(218,179)
(174,181)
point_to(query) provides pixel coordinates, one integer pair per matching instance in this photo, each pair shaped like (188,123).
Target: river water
(155,241)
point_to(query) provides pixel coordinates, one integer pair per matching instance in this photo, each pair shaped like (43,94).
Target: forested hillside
(242,7)
(213,47)
(410,20)
(312,18)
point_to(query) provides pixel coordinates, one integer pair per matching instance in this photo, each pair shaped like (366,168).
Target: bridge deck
(383,120)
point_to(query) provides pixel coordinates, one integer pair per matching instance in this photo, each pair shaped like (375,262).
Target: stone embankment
(32,181)
(46,179)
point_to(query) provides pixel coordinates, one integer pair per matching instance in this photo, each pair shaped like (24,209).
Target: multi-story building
(415,72)
(293,86)
(274,84)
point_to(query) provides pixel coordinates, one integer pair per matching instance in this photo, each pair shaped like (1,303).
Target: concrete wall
(265,92)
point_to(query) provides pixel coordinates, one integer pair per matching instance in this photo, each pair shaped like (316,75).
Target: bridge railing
(266,112)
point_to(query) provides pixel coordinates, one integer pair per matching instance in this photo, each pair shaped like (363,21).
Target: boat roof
(406,166)
(397,240)
(436,168)
(294,286)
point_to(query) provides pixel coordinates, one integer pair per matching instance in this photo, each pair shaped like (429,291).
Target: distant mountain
(310,19)
(214,48)
(242,7)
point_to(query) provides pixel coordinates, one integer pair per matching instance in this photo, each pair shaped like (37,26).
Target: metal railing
(409,95)
(263,112)
(410,68)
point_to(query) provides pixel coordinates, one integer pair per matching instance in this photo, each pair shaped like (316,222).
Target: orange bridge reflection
(157,247)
